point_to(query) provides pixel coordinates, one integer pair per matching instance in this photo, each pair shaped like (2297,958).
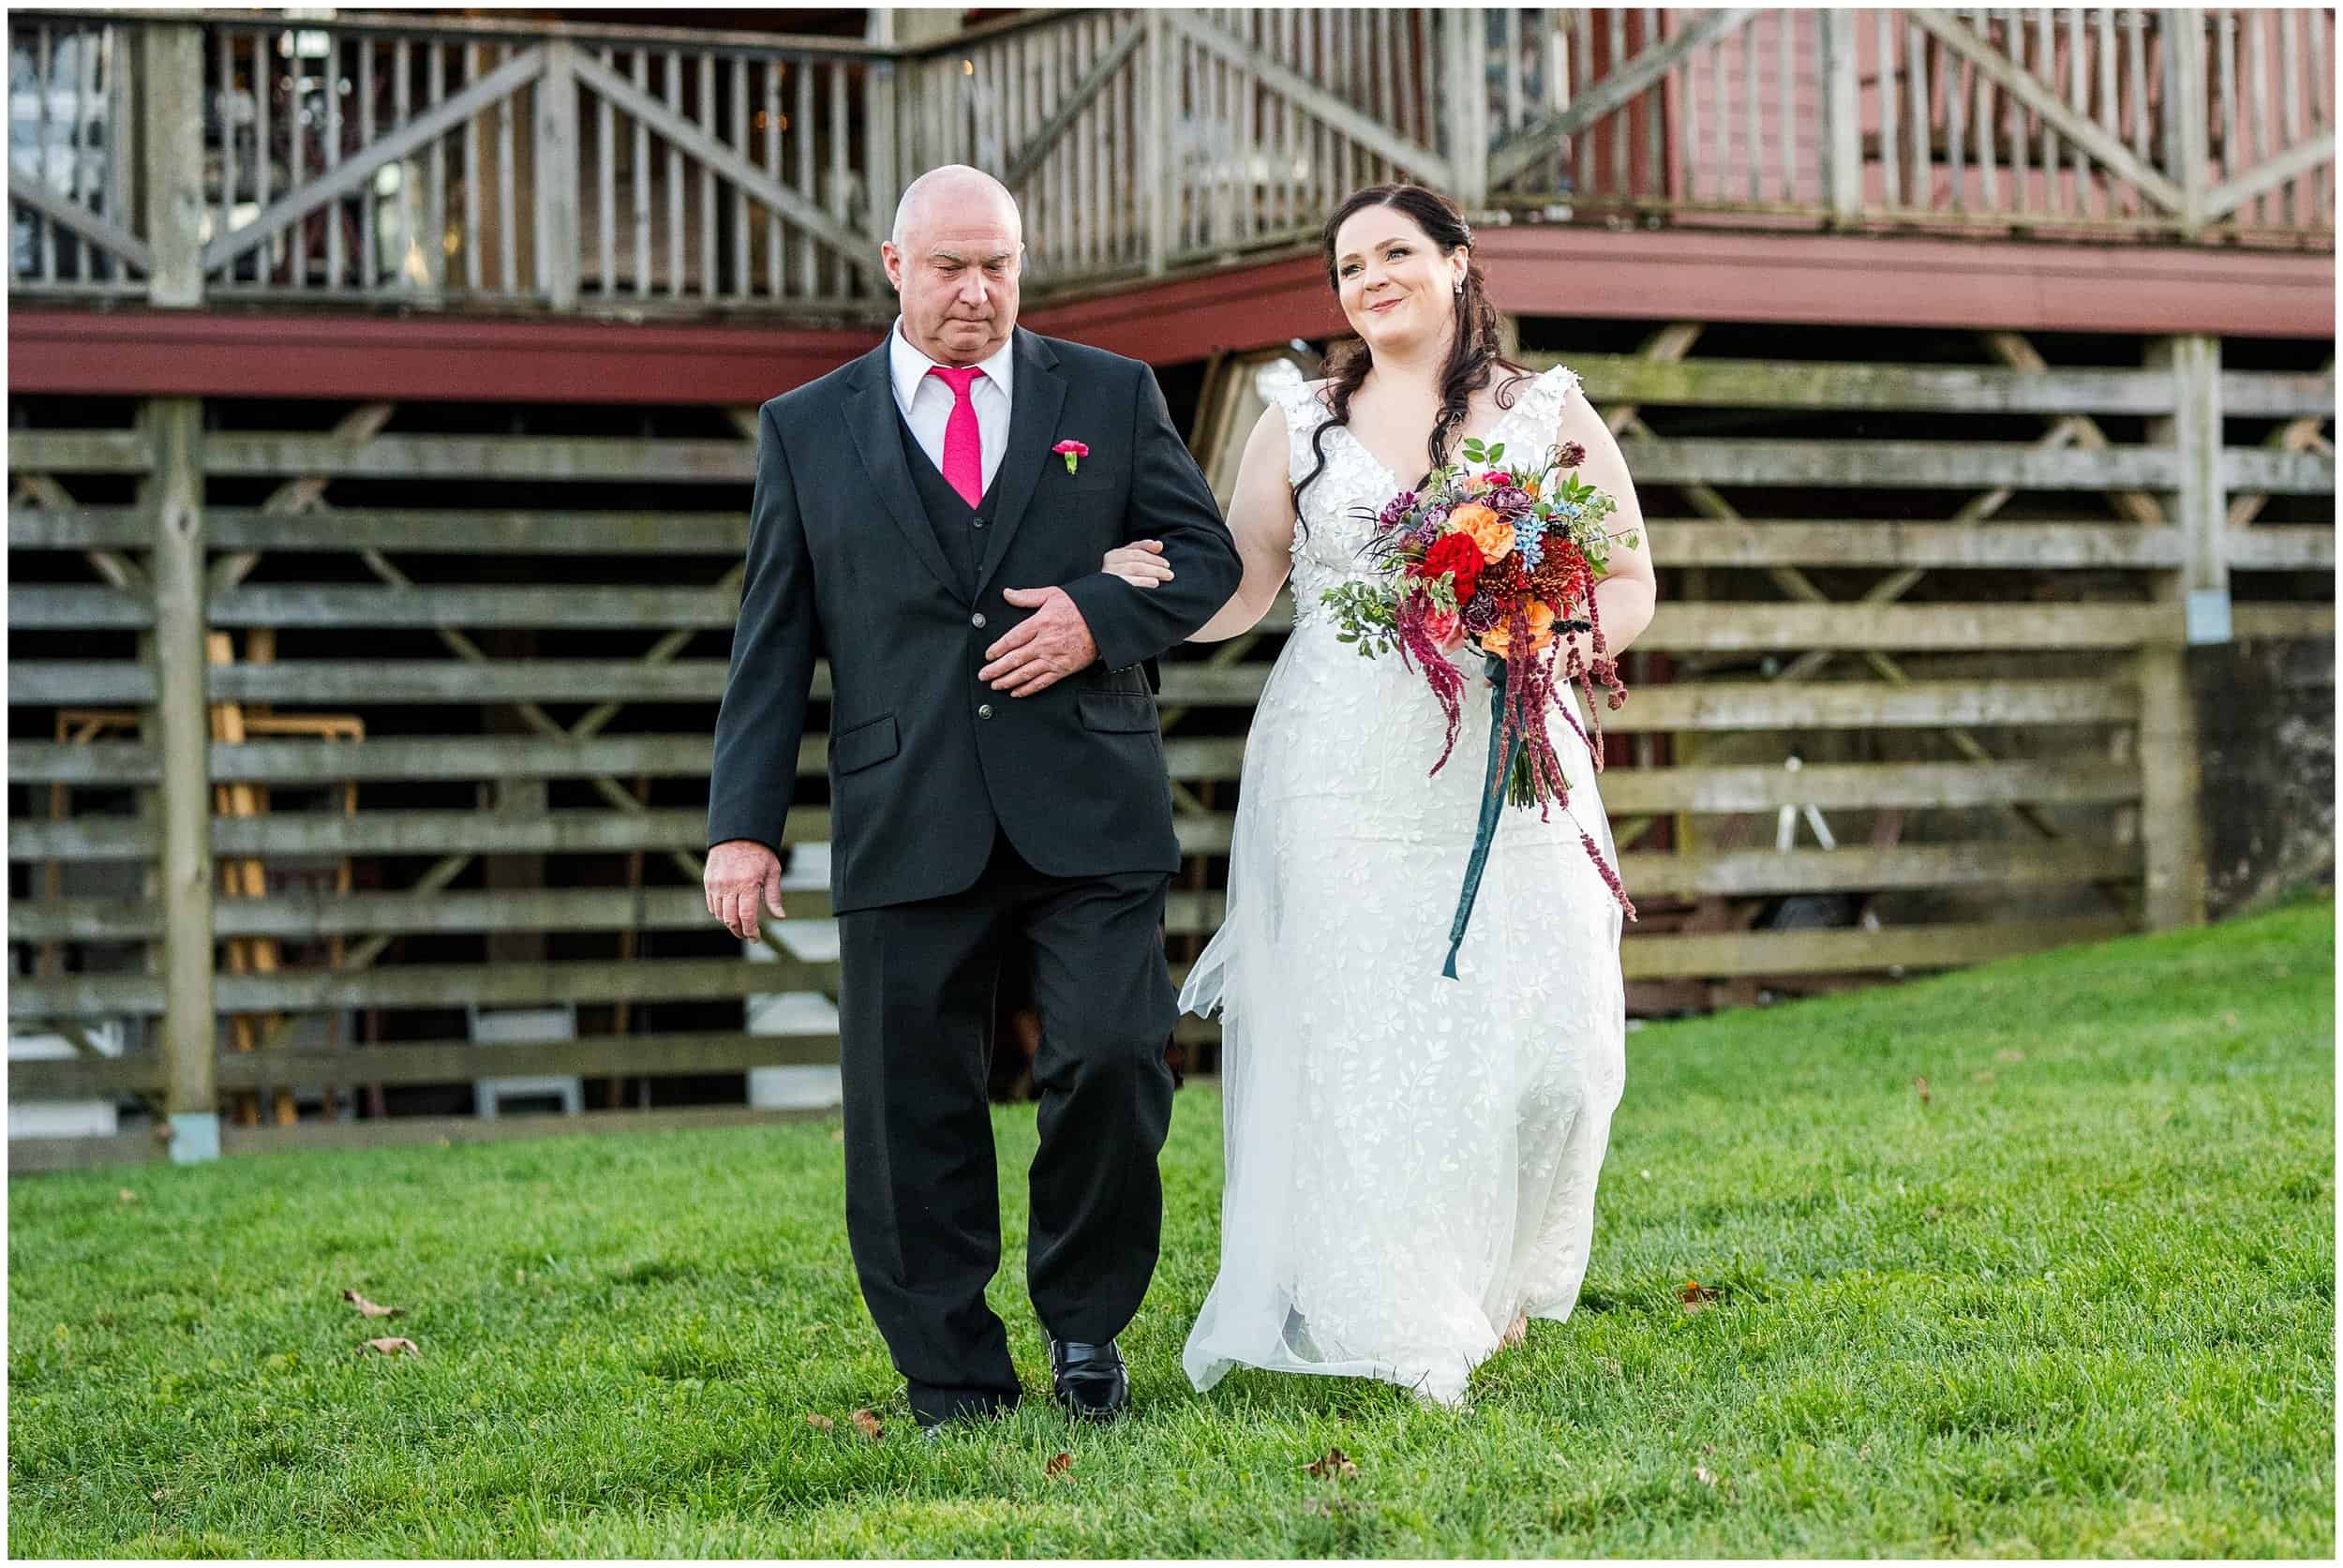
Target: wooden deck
(418,160)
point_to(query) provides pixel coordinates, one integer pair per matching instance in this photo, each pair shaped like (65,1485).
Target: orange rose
(1498,640)
(1486,528)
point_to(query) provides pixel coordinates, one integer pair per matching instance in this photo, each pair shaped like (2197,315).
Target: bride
(1410,1161)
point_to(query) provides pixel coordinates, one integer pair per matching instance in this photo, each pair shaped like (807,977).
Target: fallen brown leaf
(1703,1475)
(868,1425)
(1059,1464)
(2229,1019)
(128,1196)
(821,1422)
(1921,1085)
(369,1309)
(1697,1296)
(1985,1075)
(393,1347)
(1335,1463)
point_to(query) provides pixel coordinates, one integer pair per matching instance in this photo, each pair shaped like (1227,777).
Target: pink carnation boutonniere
(1073,452)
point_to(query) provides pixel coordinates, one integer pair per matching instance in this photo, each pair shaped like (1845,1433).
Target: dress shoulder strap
(1280,382)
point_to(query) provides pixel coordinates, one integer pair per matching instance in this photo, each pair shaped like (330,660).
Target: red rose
(1455,553)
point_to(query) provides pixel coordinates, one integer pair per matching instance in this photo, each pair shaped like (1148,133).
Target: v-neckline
(1392,475)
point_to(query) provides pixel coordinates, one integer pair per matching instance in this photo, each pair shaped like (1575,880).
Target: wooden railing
(419,158)
(1962,596)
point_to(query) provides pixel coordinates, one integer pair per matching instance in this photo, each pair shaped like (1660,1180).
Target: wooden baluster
(1956,112)
(606,182)
(711,274)
(776,279)
(224,53)
(435,192)
(1890,170)
(640,68)
(809,259)
(369,219)
(2106,116)
(333,212)
(841,198)
(471,178)
(1988,182)
(1923,182)
(2077,94)
(741,144)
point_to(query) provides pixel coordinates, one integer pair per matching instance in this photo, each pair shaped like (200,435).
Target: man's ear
(892,262)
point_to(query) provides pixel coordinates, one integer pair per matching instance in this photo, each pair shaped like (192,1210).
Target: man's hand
(738,871)
(1049,646)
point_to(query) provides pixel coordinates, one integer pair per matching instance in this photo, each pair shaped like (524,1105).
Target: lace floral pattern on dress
(1411,1161)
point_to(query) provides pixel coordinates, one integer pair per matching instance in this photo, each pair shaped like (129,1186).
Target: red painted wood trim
(198,354)
(1677,275)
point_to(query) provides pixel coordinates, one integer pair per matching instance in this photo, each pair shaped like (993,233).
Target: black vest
(960,528)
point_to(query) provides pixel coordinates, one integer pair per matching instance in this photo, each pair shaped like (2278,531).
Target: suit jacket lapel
(873,419)
(1038,395)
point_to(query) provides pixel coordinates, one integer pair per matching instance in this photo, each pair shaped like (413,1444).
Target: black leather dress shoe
(1089,1379)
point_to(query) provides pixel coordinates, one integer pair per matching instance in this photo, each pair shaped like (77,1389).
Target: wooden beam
(448,605)
(1028,157)
(1858,786)
(2062,116)
(347,179)
(857,248)
(1746,873)
(1912,465)
(1765,383)
(1854,950)
(2291,164)
(485,458)
(432,985)
(27,191)
(75,607)
(1370,133)
(1626,81)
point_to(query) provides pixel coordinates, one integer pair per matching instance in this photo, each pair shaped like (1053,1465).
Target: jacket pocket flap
(1117,710)
(863,745)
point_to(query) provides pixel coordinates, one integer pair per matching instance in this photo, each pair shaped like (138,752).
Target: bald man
(995,768)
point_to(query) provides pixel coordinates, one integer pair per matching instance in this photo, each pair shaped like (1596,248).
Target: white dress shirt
(927,402)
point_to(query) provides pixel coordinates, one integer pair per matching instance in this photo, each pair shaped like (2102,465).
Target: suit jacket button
(984,711)
(977,621)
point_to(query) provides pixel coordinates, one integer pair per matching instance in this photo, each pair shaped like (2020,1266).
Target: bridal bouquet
(1507,557)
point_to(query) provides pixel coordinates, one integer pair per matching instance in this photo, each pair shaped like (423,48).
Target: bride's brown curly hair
(1473,357)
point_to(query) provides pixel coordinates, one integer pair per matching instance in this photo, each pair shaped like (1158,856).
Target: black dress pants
(914,1042)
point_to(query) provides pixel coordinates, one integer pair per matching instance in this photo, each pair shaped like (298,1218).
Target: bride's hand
(1140,563)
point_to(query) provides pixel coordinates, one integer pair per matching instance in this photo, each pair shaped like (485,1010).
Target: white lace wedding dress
(1410,1161)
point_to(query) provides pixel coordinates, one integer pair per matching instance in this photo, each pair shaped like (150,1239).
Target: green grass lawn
(2075,1299)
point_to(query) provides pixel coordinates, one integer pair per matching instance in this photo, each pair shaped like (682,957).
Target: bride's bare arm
(1628,593)
(1260,516)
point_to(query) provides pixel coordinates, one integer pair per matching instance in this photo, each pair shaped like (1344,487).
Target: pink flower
(1441,626)
(1070,451)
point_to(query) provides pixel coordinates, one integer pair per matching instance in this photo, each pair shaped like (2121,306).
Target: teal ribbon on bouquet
(1501,768)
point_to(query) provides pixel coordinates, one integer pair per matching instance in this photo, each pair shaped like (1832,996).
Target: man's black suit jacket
(925,760)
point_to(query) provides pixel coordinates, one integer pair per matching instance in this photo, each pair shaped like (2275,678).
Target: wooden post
(171,179)
(2201,506)
(2189,114)
(1467,118)
(1160,168)
(2171,828)
(883,87)
(555,176)
(176,494)
(1842,120)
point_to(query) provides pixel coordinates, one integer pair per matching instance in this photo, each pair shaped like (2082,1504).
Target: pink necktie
(964,444)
